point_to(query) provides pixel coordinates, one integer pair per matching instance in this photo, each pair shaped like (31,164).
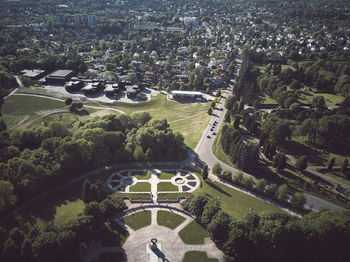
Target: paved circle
(172,245)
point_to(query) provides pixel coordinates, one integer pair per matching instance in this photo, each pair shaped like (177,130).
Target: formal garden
(153,182)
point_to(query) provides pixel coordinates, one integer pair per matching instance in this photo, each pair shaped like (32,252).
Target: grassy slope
(233,201)
(187,118)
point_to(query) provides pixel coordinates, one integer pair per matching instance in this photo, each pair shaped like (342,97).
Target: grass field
(138,220)
(169,219)
(61,207)
(12,120)
(193,234)
(28,105)
(187,118)
(232,201)
(166,186)
(201,256)
(166,175)
(141,187)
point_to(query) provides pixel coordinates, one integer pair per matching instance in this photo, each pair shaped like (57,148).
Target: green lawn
(141,187)
(170,196)
(141,174)
(29,105)
(60,208)
(138,220)
(67,118)
(232,201)
(191,256)
(68,211)
(12,120)
(166,186)
(193,234)
(169,219)
(166,175)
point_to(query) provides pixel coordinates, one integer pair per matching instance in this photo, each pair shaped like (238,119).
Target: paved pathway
(172,247)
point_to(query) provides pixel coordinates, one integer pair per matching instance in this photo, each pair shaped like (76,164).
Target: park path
(169,242)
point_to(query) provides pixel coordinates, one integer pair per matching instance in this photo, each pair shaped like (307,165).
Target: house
(92,88)
(131,91)
(59,77)
(111,89)
(74,86)
(34,74)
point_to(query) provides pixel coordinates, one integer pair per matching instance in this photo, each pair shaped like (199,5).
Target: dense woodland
(269,236)
(32,161)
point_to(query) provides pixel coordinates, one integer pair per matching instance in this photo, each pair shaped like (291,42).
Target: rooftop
(61,73)
(32,73)
(176,92)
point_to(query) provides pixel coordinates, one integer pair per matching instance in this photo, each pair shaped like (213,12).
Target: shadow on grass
(217,188)
(47,210)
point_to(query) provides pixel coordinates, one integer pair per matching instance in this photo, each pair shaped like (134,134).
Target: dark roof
(61,73)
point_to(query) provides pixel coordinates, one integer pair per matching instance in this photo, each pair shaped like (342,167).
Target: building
(186,95)
(92,21)
(72,86)
(60,18)
(78,19)
(111,90)
(34,74)
(92,88)
(131,91)
(190,21)
(59,77)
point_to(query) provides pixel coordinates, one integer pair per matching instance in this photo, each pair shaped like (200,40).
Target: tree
(86,191)
(205,172)
(237,121)
(238,178)
(217,169)
(344,166)
(138,153)
(230,102)
(282,193)
(260,185)
(331,164)
(298,200)
(213,104)
(248,182)
(68,101)
(210,111)
(7,198)
(301,163)
(196,206)
(210,209)
(271,190)
(318,102)
(219,226)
